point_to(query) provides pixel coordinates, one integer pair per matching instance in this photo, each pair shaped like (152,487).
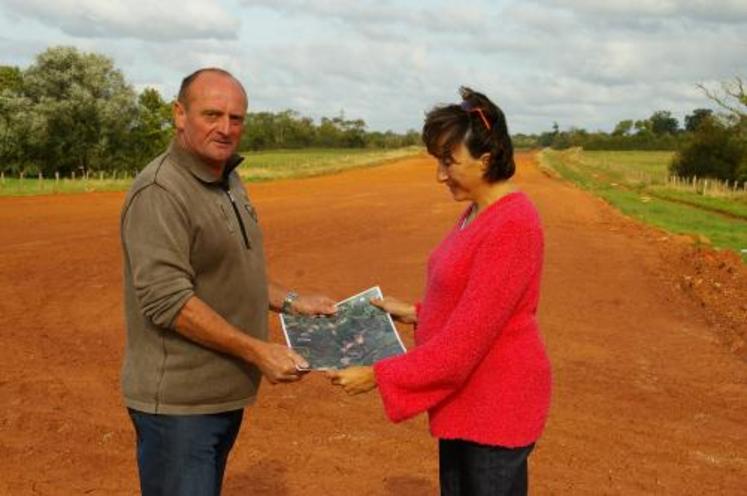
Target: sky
(581,63)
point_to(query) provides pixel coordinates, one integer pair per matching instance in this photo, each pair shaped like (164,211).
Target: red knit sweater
(479,366)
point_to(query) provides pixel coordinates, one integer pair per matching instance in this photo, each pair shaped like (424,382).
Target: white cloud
(579,62)
(140,19)
(730,11)
(438,16)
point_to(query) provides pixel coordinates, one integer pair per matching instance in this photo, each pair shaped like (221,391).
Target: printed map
(359,334)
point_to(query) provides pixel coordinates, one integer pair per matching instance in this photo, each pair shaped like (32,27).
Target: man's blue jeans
(184,455)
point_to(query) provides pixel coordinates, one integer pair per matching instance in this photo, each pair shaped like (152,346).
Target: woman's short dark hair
(480,125)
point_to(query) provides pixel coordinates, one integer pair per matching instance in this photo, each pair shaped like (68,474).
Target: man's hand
(400,311)
(354,380)
(279,363)
(313,304)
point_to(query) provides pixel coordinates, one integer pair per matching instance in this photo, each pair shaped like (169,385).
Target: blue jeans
(184,455)
(471,469)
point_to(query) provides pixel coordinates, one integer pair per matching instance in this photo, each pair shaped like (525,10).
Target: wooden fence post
(57,176)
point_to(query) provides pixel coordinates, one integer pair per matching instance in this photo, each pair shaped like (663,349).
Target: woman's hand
(401,311)
(354,380)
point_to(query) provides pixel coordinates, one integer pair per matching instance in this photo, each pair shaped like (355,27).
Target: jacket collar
(198,167)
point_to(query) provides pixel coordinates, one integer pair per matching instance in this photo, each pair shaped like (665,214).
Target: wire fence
(31,184)
(703,186)
(708,186)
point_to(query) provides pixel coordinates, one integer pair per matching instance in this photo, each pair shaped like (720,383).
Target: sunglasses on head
(469,109)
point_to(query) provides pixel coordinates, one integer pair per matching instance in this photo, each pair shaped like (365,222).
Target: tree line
(71,111)
(289,129)
(709,144)
(660,131)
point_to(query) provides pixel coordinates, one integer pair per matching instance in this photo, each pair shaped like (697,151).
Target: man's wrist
(252,350)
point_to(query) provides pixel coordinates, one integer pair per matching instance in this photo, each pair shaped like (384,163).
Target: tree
(328,132)
(623,128)
(18,126)
(11,79)
(718,147)
(662,122)
(153,128)
(353,133)
(693,120)
(714,151)
(14,118)
(732,97)
(85,109)
(642,126)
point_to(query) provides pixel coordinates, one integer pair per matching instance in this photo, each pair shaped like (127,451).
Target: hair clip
(468,108)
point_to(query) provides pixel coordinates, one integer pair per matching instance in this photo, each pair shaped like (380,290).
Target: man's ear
(180,115)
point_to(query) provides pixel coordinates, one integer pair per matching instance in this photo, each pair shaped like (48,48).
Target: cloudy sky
(581,63)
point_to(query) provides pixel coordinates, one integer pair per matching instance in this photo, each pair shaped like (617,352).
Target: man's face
(211,121)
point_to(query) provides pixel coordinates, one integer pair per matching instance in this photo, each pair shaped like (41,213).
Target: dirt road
(648,399)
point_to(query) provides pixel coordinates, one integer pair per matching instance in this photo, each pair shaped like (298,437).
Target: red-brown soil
(645,331)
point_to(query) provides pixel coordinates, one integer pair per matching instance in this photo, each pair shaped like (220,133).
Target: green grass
(284,164)
(735,208)
(631,168)
(33,186)
(635,183)
(257,166)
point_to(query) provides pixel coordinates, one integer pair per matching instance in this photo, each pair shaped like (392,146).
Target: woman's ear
(485,161)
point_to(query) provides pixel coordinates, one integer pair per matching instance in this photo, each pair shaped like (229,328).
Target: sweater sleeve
(157,245)
(502,268)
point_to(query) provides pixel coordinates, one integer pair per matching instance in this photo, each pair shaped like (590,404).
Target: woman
(479,366)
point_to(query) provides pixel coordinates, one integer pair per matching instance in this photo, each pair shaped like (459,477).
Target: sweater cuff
(388,391)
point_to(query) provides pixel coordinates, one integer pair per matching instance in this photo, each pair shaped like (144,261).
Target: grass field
(637,183)
(257,166)
(284,164)
(13,186)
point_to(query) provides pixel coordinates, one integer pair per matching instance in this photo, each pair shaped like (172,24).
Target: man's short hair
(183,96)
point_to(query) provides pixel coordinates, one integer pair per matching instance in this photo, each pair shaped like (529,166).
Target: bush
(716,150)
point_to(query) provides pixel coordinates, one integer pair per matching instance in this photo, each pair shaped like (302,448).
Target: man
(196,296)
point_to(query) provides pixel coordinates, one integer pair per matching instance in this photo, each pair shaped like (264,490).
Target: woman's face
(463,175)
